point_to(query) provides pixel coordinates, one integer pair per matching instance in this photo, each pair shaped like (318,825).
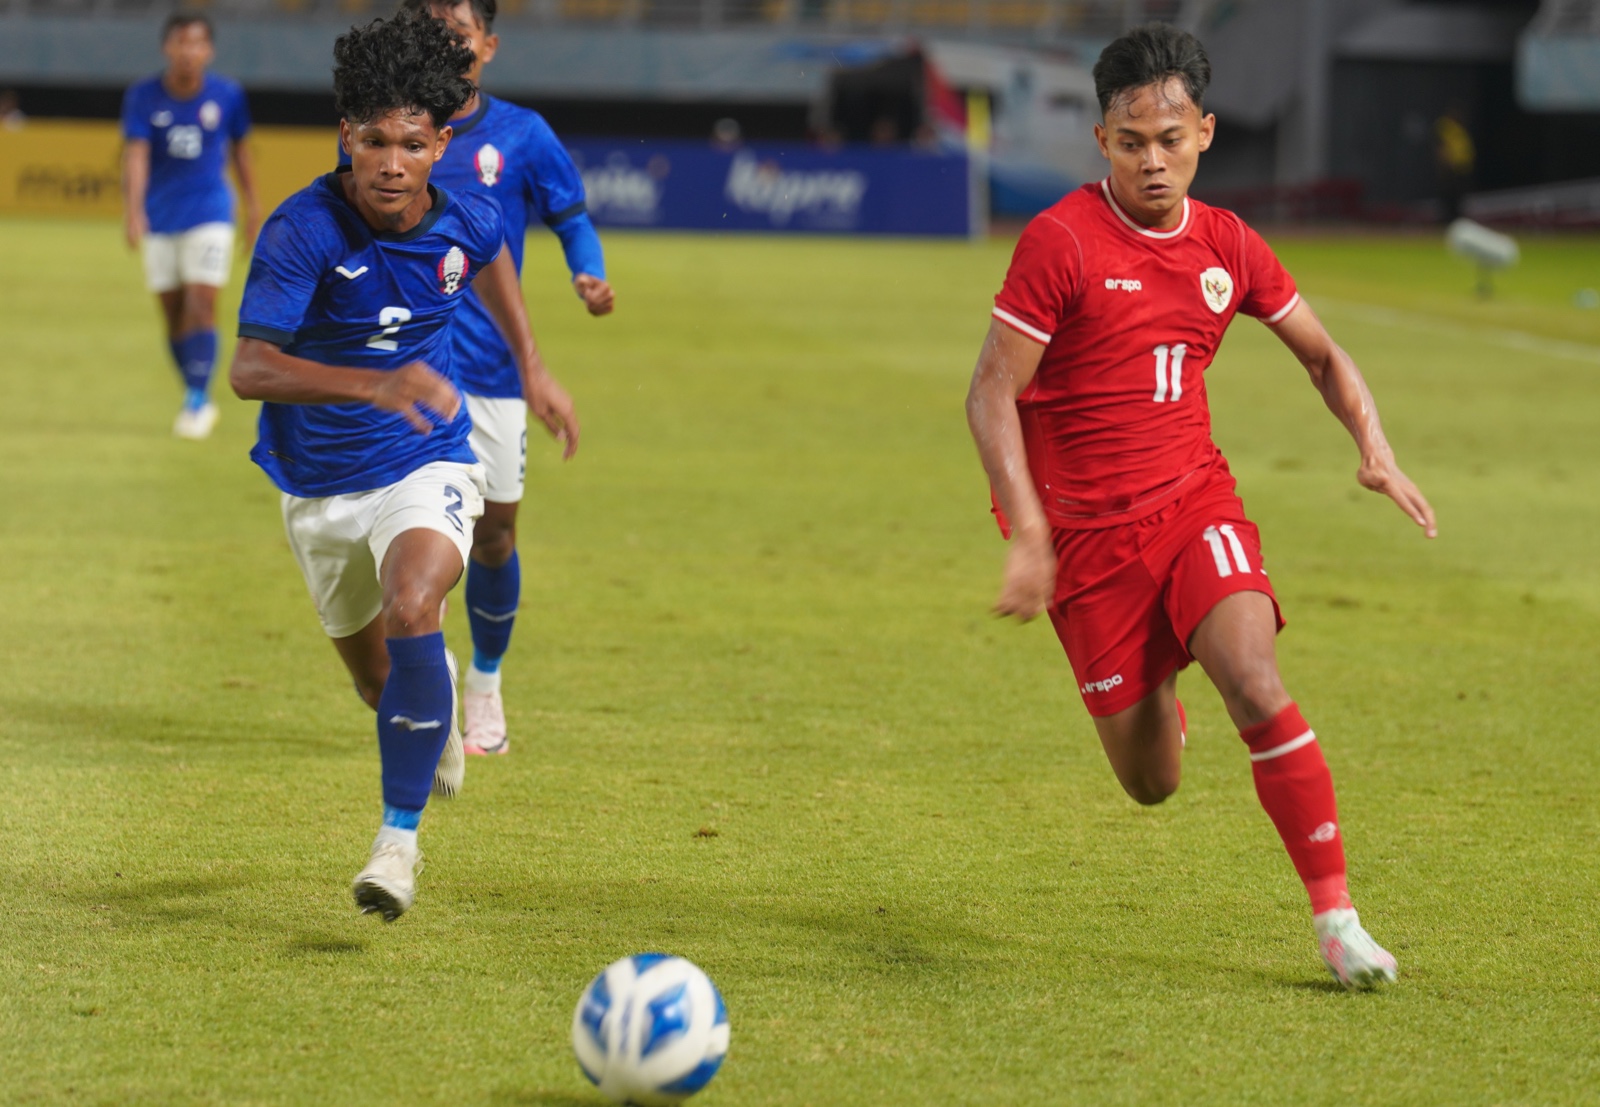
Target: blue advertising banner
(774,188)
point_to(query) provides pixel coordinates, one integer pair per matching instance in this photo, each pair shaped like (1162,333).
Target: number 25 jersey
(1115,420)
(326,287)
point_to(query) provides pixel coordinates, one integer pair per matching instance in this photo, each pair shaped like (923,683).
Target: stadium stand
(1040,19)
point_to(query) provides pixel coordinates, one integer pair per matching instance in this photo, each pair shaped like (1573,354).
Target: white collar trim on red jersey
(1105,190)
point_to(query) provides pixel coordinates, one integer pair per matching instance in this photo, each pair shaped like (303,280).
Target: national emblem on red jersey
(452,271)
(491,164)
(1217,287)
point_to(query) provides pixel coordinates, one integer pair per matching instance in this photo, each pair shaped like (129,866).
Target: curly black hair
(1151,55)
(408,62)
(483,10)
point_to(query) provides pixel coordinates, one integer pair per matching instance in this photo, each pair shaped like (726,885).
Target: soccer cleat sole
(374,899)
(504,747)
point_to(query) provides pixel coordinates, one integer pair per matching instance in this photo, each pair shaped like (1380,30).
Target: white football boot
(1354,959)
(452,769)
(388,885)
(485,712)
(197,423)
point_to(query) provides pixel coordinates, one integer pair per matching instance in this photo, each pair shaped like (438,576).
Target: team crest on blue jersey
(491,164)
(452,271)
(210,115)
(1217,287)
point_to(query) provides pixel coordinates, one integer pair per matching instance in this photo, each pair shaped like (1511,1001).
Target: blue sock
(197,356)
(402,817)
(413,719)
(492,598)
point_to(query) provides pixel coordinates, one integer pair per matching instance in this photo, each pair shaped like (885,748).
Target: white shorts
(500,439)
(340,541)
(199,255)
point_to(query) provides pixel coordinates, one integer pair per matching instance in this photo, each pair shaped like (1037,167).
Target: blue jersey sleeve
(556,192)
(239,115)
(135,117)
(580,242)
(283,279)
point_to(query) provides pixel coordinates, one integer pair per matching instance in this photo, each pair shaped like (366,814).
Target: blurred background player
(179,128)
(1088,406)
(344,334)
(511,154)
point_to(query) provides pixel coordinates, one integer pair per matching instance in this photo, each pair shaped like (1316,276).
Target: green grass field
(763,719)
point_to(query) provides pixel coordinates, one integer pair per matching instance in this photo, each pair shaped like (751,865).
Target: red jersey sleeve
(1269,293)
(1042,280)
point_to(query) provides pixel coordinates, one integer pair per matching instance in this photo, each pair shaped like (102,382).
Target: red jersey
(1116,421)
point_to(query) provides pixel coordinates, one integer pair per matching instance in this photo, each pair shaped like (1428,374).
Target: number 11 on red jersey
(1176,355)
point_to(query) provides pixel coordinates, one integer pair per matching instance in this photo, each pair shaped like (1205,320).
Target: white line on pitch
(1433,324)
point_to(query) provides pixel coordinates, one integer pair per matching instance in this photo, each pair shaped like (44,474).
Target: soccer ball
(650,1030)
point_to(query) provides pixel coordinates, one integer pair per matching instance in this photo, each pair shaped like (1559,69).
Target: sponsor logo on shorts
(1101,685)
(1327,832)
(1124,285)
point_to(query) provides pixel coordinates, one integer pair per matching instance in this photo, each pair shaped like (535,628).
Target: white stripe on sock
(1288,747)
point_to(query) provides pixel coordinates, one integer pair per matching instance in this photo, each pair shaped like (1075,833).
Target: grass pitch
(762,718)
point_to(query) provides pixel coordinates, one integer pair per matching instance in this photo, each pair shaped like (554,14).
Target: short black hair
(179,20)
(408,62)
(485,10)
(1151,55)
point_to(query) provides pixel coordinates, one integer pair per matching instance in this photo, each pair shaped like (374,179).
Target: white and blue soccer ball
(650,1030)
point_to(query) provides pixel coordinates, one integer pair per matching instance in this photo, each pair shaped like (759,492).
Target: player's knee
(1152,788)
(1256,690)
(410,610)
(494,542)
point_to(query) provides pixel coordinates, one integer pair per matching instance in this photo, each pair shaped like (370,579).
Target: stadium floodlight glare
(1488,250)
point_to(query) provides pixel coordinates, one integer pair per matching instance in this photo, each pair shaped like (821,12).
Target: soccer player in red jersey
(1088,406)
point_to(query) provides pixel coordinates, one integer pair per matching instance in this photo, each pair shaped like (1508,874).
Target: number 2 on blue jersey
(390,319)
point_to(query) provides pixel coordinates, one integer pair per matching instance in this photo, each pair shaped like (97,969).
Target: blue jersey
(326,287)
(188,149)
(510,153)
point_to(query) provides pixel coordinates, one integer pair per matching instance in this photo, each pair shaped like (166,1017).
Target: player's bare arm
(496,285)
(595,293)
(1344,390)
(135,182)
(1005,366)
(245,173)
(262,371)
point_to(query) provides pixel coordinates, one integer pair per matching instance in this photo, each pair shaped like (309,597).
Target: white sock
(407,838)
(479,681)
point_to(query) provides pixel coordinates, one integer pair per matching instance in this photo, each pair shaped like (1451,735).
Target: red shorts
(1129,597)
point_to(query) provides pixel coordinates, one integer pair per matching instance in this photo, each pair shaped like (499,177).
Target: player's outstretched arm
(245,173)
(262,371)
(1006,364)
(1345,391)
(135,183)
(496,285)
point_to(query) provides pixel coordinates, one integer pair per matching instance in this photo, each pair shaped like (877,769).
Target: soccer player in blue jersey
(344,332)
(179,129)
(511,154)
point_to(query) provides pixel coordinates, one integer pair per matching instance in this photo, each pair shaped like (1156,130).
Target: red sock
(1295,787)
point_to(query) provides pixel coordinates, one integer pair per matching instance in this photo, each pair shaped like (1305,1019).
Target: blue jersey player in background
(511,154)
(345,334)
(179,129)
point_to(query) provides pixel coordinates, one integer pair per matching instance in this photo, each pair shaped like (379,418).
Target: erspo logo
(1101,685)
(828,197)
